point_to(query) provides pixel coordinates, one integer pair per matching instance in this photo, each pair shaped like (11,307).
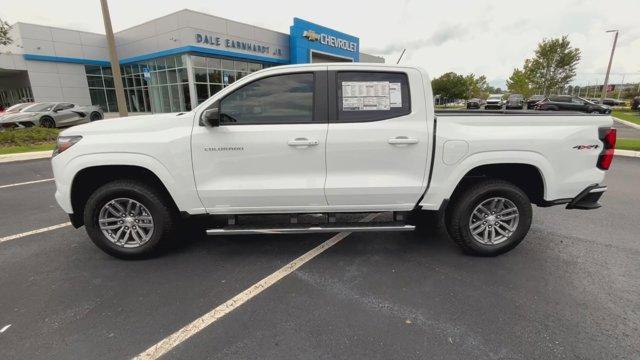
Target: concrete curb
(628,123)
(26,156)
(628,153)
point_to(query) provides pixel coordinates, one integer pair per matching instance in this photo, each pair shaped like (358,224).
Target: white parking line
(178,337)
(5,328)
(25,183)
(33,232)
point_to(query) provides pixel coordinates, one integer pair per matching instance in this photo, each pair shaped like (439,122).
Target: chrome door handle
(302,142)
(402,140)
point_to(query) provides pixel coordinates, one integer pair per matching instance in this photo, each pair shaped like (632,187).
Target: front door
(378,140)
(64,114)
(268,154)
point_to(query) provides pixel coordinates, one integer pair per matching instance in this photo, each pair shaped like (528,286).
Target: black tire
(159,205)
(47,122)
(95,116)
(460,210)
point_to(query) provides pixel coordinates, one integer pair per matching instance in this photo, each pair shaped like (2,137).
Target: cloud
(439,37)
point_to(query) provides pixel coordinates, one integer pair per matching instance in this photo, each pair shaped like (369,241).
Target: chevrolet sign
(330,40)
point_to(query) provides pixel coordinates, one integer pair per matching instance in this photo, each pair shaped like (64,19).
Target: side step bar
(236,230)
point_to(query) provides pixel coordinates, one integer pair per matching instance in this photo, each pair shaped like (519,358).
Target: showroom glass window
(101,89)
(159,85)
(212,74)
(272,100)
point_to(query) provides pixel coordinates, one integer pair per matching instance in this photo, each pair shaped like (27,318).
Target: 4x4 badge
(586,147)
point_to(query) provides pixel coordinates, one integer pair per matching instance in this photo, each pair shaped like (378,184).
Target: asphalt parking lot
(570,290)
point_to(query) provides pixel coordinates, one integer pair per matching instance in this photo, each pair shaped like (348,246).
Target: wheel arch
(88,179)
(525,176)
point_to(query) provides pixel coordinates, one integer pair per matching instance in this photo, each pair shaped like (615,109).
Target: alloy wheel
(494,220)
(126,222)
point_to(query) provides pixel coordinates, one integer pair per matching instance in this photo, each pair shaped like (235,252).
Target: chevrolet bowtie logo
(311,35)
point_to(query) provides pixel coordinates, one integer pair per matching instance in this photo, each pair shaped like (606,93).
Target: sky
(484,37)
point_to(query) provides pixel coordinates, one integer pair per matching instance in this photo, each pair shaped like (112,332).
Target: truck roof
(352,64)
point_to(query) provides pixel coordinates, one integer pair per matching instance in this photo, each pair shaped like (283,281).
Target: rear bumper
(586,200)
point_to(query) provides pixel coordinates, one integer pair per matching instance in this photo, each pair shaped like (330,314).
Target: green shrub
(28,136)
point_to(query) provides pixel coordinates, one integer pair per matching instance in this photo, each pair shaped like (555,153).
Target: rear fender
(446,178)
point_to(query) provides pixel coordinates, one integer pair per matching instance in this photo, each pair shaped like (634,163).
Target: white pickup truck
(329,140)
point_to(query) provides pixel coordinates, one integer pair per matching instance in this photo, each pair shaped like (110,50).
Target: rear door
(268,154)
(378,138)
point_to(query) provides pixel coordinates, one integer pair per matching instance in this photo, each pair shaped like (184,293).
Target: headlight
(65,142)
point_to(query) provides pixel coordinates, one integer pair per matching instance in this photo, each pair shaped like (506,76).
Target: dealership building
(168,64)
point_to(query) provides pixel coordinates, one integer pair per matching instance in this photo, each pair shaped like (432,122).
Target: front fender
(65,171)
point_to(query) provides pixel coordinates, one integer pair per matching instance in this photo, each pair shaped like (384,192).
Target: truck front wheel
(129,219)
(489,218)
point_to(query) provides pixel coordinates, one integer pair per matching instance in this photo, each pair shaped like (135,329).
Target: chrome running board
(310,229)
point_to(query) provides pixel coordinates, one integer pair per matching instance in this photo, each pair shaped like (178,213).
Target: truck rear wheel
(129,219)
(489,218)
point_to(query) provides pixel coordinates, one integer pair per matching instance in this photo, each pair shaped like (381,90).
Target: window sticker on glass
(395,94)
(367,95)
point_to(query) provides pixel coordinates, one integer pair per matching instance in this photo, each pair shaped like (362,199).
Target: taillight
(606,157)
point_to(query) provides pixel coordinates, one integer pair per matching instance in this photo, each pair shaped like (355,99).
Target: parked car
(130,181)
(52,115)
(494,102)
(515,101)
(613,102)
(571,103)
(533,100)
(474,103)
(635,103)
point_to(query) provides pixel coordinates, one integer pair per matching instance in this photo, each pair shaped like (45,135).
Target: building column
(193,96)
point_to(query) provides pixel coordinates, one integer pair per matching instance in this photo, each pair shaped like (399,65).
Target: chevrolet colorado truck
(327,141)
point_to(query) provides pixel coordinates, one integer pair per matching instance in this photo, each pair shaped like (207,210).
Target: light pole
(622,85)
(113,57)
(606,78)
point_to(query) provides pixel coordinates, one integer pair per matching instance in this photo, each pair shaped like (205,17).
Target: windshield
(40,107)
(515,97)
(495,97)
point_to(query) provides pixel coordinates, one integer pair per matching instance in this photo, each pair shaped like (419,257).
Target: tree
(476,86)
(5,39)
(553,66)
(519,83)
(450,86)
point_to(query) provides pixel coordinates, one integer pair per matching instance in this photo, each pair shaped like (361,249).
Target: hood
(20,116)
(130,124)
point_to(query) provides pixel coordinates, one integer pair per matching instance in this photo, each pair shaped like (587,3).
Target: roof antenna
(403,50)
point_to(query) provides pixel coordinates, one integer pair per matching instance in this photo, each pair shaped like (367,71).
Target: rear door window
(371,96)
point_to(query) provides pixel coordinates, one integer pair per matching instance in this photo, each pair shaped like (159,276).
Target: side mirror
(211,117)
